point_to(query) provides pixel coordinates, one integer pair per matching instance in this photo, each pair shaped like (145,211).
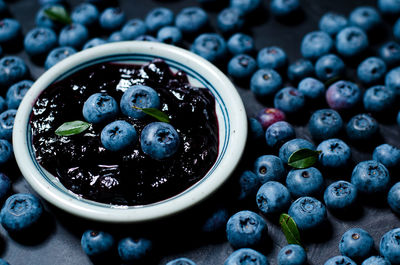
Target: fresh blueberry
(370,177)
(191,20)
(389,52)
(43,21)
(249,185)
(112,18)
(85,14)
(115,36)
(73,35)
(159,17)
(389,7)
(377,99)
(340,196)
(3,104)
(393,198)
(138,97)
(396,30)
(329,66)
(99,107)
(6,123)
(216,221)
(240,43)
(269,116)
(246,256)
(16,93)
(230,20)
(5,186)
(181,261)
(271,57)
(133,28)
(305,182)
(300,69)
(279,133)
(336,260)
(388,155)
(307,212)
(376,260)
(211,46)
(343,95)
(365,17)
(10,32)
(6,151)
(12,70)
(3,262)
(371,70)
(289,100)
(316,44)
(256,131)
(134,249)
(332,23)
(58,54)
(389,246)
(20,212)
(96,243)
(170,35)
(293,145)
(118,135)
(356,243)
(351,41)
(93,43)
(362,127)
(284,8)
(292,254)
(273,198)
(269,167)
(246,229)
(242,67)
(147,38)
(334,153)
(159,140)
(246,6)
(40,41)
(392,80)
(265,82)
(311,88)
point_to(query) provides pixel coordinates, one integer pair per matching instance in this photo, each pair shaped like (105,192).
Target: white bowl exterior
(230,103)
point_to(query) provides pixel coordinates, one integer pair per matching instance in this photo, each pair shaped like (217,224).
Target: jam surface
(127,177)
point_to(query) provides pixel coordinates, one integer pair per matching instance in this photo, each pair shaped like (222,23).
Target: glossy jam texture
(128,177)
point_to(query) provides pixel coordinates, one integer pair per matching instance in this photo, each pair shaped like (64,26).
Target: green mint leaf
(303,158)
(72,128)
(289,228)
(155,113)
(58,14)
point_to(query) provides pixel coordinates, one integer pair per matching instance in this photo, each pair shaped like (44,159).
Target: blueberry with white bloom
(230,20)
(392,80)
(378,99)
(242,67)
(133,28)
(40,41)
(289,100)
(300,69)
(351,41)
(356,243)
(133,250)
(73,35)
(273,198)
(181,261)
(389,246)
(246,255)
(240,43)
(159,17)
(365,17)
(340,196)
(311,88)
(99,107)
(315,44)
(340,260)
(335,153)
(343,95)
(279,133)
(269,167)
(115,36)
(118,135)
(191,20)
(393,198)
(138,97)
(265,82)
(210,46)
(170,35)
(308,213)
(388,155)
(370,177)
(362,127)
(292,254)
(389,52)
(12,70)
(271,57)
(7,123)
(332,23)
(246,6)
(371,70)
(305,182)
(389,7)
(112,18)
(329,66)
(288,148)
(376,260)
(5,186)
(86,14)
(58,54)
(284,8)
(6,151)
(97,243)
(93,43)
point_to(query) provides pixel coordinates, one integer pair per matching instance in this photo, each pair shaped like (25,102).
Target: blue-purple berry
(365,17)
(389,246)
(288,148)
(329,66)
(388,155)
(340,196)
(335,153)
(300,69)
(308,213)
(192,20)
(316,44)
(292,254)
(311,88)
(371,70)
(356,243)
(370,177)
(265,82)
(242,67)
(351,41)
(378,99)
(279,133)
(362,127)
(272,57)
(268,168)
(240,43)
(273,198)
(343,95)
(289,100)
(332,23)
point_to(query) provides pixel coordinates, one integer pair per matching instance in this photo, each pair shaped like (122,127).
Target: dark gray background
(58,241)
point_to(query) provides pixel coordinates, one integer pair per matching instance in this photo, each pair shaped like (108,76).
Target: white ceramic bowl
(230,111)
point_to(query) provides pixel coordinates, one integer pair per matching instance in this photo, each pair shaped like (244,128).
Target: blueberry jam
(127,177)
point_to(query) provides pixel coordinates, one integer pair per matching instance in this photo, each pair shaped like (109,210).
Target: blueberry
(170,35)
(230,20)
(269,167)
(159,17)
(265,82)
(389,52)
(16,93)
(3,104)
(339,260)
(242,67)
(118,135)
(305,182)
(256,131)
(10,32)
(370,177)
(316,44)
(12,70)
(115,36)
(249,185)
(133,28)
(210,46)
(329,66)
(271,57)
(393,198)
(134,249)
(392,80)
(3,262)
(376,260)
(289,100)
(58,54)
(181,261)
(43,21)
(240,43)
(279,133)
(362,127)
(343,95)
(351,41)
(246,229)
(311,88)
(389,7)
(389,246)
(96,243)
(273,198)
(284,8)
(139,96)
(371,70)
(20,212)
(356,243)
(246,6)
(377,99)
(85,14)
(334,153)
(159,140)
(6,123)
(93,43)
(292,254)
(99,107)
(269,116)
(73,35)
(6,151)
(396,30)
(332,23)
(308,213)
(291,146)
(300,69)
(191,20)
(112,18)
(216,221)
(147,38)
(340,196)
(40,41)
(246,256)
(5,186)
(365,17)
(388,155)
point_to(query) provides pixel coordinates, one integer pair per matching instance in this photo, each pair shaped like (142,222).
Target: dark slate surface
(57,241)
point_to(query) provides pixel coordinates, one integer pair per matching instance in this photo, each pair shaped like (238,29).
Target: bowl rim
(79,207)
